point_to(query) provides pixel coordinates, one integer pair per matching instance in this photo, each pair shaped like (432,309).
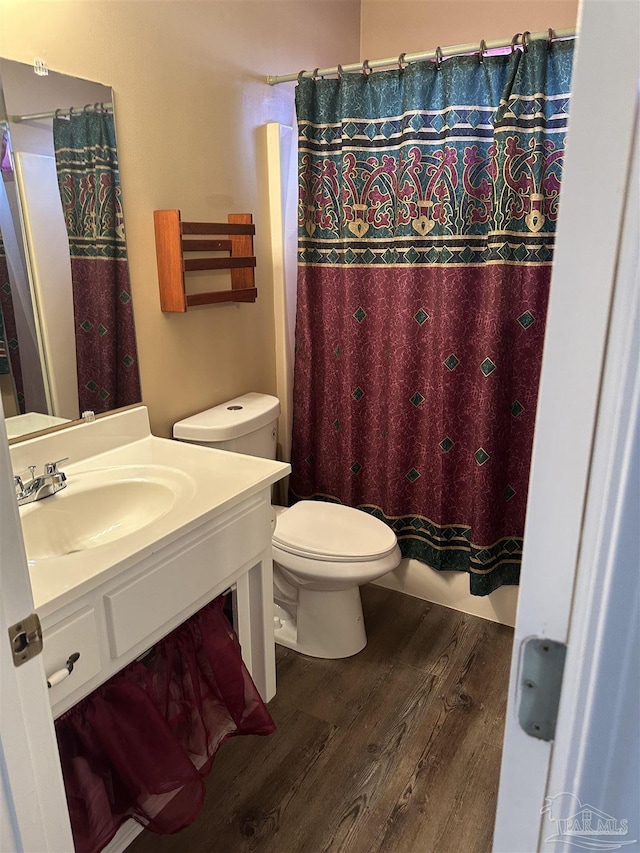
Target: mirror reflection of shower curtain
(89,182)
(9,350)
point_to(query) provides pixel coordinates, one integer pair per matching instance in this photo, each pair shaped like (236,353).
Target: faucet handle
(18,484)
(32,470)
(52,467)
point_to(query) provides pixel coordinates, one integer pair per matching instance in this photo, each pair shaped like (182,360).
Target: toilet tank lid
(232,419)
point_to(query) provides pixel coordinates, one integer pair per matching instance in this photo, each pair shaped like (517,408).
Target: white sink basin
(100,507)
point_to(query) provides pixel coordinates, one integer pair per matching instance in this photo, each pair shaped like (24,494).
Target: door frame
(596,755)
(572,397)
(33,805)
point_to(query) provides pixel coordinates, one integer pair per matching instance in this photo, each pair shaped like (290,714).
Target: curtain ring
(70,111)
(340,73)
(99,106)
(550,39)
(300,76)
(86,108)
(314,76)
(525,41)
(439,58)
(481,52)
(366,70)
(401,67)
(514,41)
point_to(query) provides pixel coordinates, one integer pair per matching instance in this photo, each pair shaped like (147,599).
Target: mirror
(64,290)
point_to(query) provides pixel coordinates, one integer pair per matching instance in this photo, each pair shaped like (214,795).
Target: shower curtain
(89,182)
(428,200)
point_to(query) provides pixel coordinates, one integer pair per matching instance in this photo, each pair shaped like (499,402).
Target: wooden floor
(395,750)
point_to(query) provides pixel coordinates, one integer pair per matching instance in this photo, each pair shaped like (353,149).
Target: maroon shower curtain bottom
(415,397)
(106,353)
(139,746)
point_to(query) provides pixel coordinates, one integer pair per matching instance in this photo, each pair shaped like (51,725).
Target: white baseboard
(123,837)
(131,829)
(451,589)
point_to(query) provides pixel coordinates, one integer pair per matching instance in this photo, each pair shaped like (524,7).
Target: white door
(580,469)
(33,807)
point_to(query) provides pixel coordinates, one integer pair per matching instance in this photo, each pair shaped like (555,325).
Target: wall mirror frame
(42,318)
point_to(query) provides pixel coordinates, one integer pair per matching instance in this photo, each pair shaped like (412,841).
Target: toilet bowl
(322,552)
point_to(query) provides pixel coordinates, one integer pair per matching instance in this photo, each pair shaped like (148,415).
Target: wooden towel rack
(171,247)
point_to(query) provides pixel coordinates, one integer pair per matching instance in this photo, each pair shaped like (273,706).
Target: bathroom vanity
(146,532)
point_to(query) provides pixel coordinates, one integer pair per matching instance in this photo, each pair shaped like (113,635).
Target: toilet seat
(332,533)
(322,553)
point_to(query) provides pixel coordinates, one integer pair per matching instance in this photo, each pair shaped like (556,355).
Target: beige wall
(391,27)
(189,98)
(25,93)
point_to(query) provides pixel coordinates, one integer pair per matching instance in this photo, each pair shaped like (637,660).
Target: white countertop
(217,481)
(18,425)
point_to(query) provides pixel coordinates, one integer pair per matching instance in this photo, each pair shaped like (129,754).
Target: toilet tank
(246,424)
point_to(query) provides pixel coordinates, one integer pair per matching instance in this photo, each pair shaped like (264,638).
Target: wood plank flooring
(396,750)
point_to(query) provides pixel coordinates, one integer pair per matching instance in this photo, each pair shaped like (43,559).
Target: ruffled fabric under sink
(139,746)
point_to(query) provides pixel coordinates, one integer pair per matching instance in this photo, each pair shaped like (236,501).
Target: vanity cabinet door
(75,634)
(190,574)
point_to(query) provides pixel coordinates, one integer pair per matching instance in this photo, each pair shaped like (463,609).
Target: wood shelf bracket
(175,239)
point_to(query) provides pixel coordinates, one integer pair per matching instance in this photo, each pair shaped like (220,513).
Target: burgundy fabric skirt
(139,746)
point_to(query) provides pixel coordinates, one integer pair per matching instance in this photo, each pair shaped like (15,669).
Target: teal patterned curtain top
(87,163)
(426,156)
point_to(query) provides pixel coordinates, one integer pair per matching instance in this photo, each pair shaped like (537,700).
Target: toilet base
(323,623)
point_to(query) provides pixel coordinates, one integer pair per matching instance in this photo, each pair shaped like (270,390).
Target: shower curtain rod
(438,54)
(89,108)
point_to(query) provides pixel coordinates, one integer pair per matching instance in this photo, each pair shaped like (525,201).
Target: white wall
(390,27)
(46,237)
(34,389)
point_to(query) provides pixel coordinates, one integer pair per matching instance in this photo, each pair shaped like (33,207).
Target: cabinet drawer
(77,633)
(156,597)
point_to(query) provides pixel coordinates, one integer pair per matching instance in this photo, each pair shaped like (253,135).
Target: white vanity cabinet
(117,622)
(111,603)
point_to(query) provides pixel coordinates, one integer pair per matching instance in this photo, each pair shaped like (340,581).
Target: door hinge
(26,639)
(540,685)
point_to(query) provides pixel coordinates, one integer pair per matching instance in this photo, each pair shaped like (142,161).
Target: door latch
(26,639)
(540,685)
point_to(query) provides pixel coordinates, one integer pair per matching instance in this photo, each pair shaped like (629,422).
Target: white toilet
(322,552)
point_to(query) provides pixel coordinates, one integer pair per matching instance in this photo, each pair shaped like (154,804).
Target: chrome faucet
(42,486)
